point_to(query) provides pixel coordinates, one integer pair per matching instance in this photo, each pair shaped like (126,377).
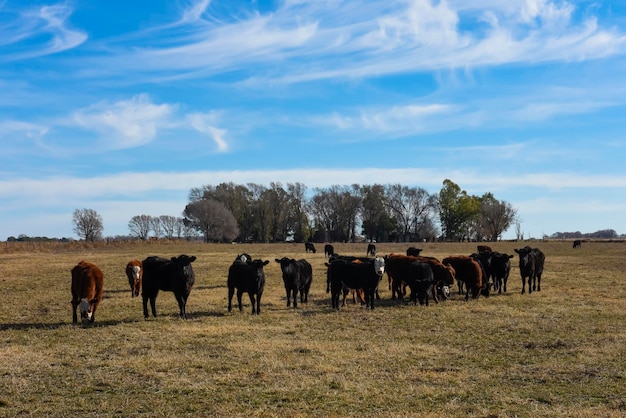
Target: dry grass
(560,352)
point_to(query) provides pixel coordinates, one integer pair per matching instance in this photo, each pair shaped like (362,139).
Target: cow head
(379,265)
(86,310)
(523,254)
(244,258)
(258,265)
(184,269)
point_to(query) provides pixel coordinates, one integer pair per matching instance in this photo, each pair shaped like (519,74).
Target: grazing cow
(398,265)
(500,269)
(412,251)
(297,277)
(468,271)
(328,250)
(371,250)
(309,247)
(174,275)
(134,272)
(87,288)
(357,274)
(576,244)
(247,277)
(531,265)
(421,282)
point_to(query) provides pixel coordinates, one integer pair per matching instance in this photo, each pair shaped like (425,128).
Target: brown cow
(468,271)
(398,271)
(87,282)
(134,272)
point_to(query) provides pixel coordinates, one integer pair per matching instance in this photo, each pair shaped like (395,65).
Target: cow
(576,244)
(355,292)
(309,247)
(412,251)
(247,277)
(483,248)
(421,280)
(297,277)
(87,289)
(468,271)
(357,274)
(500,269)
(531,262)
(174,275)
(398,265)
(134,272)
(484,260)
(328,250)
(371,250)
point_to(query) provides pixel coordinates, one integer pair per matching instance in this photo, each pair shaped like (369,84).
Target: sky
(124,106)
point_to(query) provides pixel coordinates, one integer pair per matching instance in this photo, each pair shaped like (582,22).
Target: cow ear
(277,260)
(266,262)
(192,259)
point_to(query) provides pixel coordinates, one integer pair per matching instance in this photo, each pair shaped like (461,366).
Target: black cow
(576,244)
(355,274)
(173,275)
(483,258)
(531,262)
(328,250)
(420,282)
(371,250)
(413,252)
(309,247)
(244,257)
(247,277)
(500,269)
(297,277)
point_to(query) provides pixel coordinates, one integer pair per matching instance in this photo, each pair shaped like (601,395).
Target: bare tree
(140,226)
(87,224)
(412,208)
(155,225)
(213,219)
(170,226)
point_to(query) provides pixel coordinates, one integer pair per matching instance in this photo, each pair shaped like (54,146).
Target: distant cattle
(500,269)
(398,270)
(468,271)
(576,244)
(174,275)
(297,277)
(412,251)
(328,250)
(87,289)
(531,262)
(371,250)
(309,247)
(357,274)
(247,277)
(134,272)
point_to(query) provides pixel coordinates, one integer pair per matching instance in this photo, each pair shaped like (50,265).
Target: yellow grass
(559,352)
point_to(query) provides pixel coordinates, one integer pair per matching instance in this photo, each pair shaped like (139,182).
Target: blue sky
(124,106)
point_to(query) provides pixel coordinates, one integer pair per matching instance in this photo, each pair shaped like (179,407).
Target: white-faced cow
(357,274)
(174,275)
(247,277)
(134,272)
(87,289)
(531,262)
(297,277)
(500,269)
(309,247)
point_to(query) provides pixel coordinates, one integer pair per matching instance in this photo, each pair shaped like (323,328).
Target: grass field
(559,352)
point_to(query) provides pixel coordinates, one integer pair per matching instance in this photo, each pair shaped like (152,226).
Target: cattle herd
(425,278)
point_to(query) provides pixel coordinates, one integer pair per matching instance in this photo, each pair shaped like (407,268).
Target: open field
(559,352)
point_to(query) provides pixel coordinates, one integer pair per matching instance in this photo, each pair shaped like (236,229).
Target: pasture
(560,352)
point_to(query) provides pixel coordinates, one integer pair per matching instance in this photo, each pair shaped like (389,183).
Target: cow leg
(239,294)
(74,314)
(460,285)
(231,292)
(538,282)
(258,303)
(182,302)
(288,292)
(153,305)
(295,298)
(144,298)
(252,302)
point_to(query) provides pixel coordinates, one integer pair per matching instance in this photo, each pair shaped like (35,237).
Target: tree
(376,223)
(412,208)
(171,226)
(457,211)
(87,224)
(495,216)
(212,218)
(140,226)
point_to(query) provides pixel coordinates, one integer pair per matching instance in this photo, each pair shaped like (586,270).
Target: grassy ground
(559,352)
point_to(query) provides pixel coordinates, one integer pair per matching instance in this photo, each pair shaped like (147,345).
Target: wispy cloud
(205,123)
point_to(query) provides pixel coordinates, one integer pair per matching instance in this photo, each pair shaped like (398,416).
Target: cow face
(259,273)
(135,280)
(379,265)
(86,310)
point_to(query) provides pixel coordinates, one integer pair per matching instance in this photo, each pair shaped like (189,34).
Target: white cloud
(205,123)
(127,123)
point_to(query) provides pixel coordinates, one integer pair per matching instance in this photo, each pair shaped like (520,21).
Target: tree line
(339,213)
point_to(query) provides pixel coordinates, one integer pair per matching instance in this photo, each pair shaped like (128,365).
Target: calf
(328,250)
(297,277)
(134,272)
(468,271)
(87,289)
(371,250)
(309,247)
(531,262)
(174,275)
(247,277)
(355,274)
(500,269)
